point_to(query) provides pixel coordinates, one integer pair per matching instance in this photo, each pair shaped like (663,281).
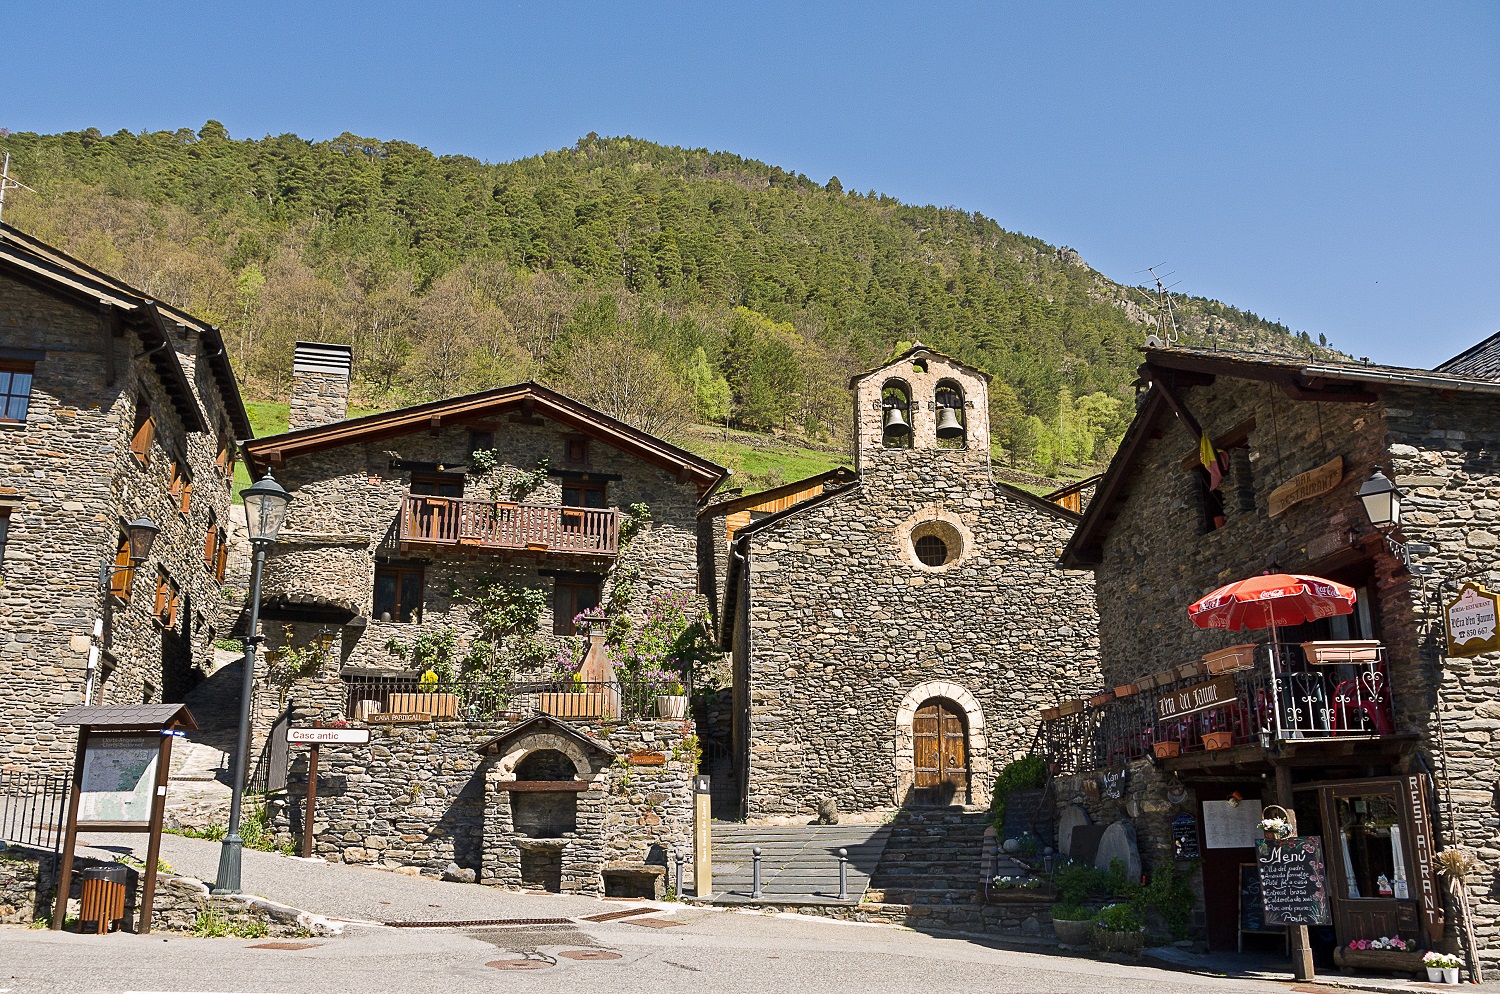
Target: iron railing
(371,698)
(488,524)
(1290,700)
(33,808)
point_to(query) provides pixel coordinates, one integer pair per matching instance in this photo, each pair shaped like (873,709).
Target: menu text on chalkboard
(1293,881)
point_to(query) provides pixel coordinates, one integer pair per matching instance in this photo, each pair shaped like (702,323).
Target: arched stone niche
(980,772)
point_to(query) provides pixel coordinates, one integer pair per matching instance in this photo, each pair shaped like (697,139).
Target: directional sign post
(315,738)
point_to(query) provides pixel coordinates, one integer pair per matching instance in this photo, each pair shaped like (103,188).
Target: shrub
(1170,894)
(1118,918)
(1071,913)
(1076,883)
(1027,773)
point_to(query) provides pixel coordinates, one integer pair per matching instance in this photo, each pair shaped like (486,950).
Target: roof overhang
(544,723)
(526,398)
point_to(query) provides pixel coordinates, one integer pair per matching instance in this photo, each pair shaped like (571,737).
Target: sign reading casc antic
(1473,622)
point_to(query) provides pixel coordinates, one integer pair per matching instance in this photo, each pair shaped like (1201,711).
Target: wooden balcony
(461,522)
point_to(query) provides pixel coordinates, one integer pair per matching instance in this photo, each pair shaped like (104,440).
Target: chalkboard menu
(1185,837)
(1293,881)
(1252,912)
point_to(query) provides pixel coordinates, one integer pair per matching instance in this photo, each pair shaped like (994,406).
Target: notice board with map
(119,779)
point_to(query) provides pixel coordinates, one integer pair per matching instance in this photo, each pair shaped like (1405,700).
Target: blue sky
(1332,166)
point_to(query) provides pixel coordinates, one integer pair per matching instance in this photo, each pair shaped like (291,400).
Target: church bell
(948,425)
(895,421)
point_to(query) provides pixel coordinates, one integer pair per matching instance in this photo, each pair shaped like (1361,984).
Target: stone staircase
(798,862)
(198,794)
(937,856)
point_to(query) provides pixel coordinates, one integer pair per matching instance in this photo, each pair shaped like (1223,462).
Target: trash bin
(103,896)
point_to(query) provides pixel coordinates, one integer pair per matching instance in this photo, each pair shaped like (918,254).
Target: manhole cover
(588,954)
(286,945)
(518,964)
(654,922)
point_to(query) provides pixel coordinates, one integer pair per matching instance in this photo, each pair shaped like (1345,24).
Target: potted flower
(1275,829)
(1218,740)
(1388,952)
(673,703)
(1118,929)
(1072,923)
(1166,749)
(1442,968)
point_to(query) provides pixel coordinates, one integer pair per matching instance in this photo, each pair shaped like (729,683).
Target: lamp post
(1382,502)
(265,510)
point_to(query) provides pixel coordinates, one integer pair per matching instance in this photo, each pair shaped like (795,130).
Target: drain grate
(482,923)
(610,916)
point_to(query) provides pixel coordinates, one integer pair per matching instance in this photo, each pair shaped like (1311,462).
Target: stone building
(894,637)
(113,407)
(1381,745)
(432,566)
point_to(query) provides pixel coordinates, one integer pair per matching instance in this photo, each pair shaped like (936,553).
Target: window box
(1217,740)
(1070,707)
(1129,690)
(1165,678)
(1049,714)
(1101,699)
(1189,671)
(573,705)
(1236,657)
(1167,749)
(1351,651)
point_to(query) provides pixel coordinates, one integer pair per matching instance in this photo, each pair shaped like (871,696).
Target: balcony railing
(375,698)
(488,524)
(1291,698)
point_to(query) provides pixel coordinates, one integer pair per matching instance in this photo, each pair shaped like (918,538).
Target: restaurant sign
(1472,621)
(1305,486)
(1199,697)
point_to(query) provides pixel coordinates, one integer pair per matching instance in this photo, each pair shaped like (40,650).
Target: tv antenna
(7,183)
(1166,334)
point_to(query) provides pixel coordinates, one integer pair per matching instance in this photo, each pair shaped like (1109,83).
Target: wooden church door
(940,741)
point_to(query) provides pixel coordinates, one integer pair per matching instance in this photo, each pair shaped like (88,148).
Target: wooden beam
(1358,395)
(544,786)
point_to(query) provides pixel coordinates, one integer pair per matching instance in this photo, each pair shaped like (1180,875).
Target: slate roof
(129,716)
(1482,360)
(543,723)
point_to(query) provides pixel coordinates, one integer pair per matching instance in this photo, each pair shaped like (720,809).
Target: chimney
(320,384)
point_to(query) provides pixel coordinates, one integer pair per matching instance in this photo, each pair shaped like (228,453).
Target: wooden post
(703,841)
(70,834)
(158,815)
(312,802)
(1302,961)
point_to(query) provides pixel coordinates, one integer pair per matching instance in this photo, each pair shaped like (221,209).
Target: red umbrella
(1272,601)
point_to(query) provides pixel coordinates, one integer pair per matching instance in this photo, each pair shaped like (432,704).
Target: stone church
(893,638)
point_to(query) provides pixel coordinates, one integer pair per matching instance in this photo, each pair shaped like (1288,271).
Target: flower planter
(566,705)
(1072,933)
(1048,714)
(1165,678)
(1442,975)
(1070,707)
(1099,700)
(1390,960)
(1189,671)
(435,705)
(1218,740)
(1129,690)
(1236,657)
(1350,651)
(1107,941)
(1147,682)
(671,706)
(1166,750)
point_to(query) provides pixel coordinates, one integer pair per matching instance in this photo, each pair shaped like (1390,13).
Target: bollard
(677,889)
(755,872)
(843,874)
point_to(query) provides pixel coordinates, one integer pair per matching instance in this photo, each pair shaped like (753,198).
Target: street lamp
(1382,501)
(140,535)
(265,510)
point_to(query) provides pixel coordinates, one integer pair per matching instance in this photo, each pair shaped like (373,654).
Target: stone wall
(848,634)
(70,482)
(423,797)
(28,893)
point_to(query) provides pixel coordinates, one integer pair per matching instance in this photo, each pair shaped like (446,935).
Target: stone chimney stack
(320,384)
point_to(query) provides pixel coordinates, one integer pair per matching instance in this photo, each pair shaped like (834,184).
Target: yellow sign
(1305,486)
(1472,620)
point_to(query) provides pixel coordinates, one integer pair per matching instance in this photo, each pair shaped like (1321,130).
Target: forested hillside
(662,284)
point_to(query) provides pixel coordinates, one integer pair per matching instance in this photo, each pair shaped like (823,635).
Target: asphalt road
(672,948)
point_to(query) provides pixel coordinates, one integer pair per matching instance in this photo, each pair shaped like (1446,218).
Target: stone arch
(505,766)
(980,771)
(958,539)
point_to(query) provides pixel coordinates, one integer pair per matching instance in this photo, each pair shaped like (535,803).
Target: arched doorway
(940,753)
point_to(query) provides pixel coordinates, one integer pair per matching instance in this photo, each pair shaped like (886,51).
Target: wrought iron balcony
(1325,691)
(486,524)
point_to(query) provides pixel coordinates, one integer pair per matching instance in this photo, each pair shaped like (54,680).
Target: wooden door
(940,741)
(1366,844)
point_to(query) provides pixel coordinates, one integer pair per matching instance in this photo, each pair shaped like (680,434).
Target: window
(225,459)
(181,486)
(585,495)
(481,441)
(437,485)
(122,578)
(15,390)
(4,532)
(211,542)
(398,593)
(223,556)
(570,598)
(576,450)
(143,432)
(166,598)
(932,550)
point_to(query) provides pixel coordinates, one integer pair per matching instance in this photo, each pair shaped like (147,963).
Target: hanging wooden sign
(1305,486)
(1472,621)
(1198,697)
